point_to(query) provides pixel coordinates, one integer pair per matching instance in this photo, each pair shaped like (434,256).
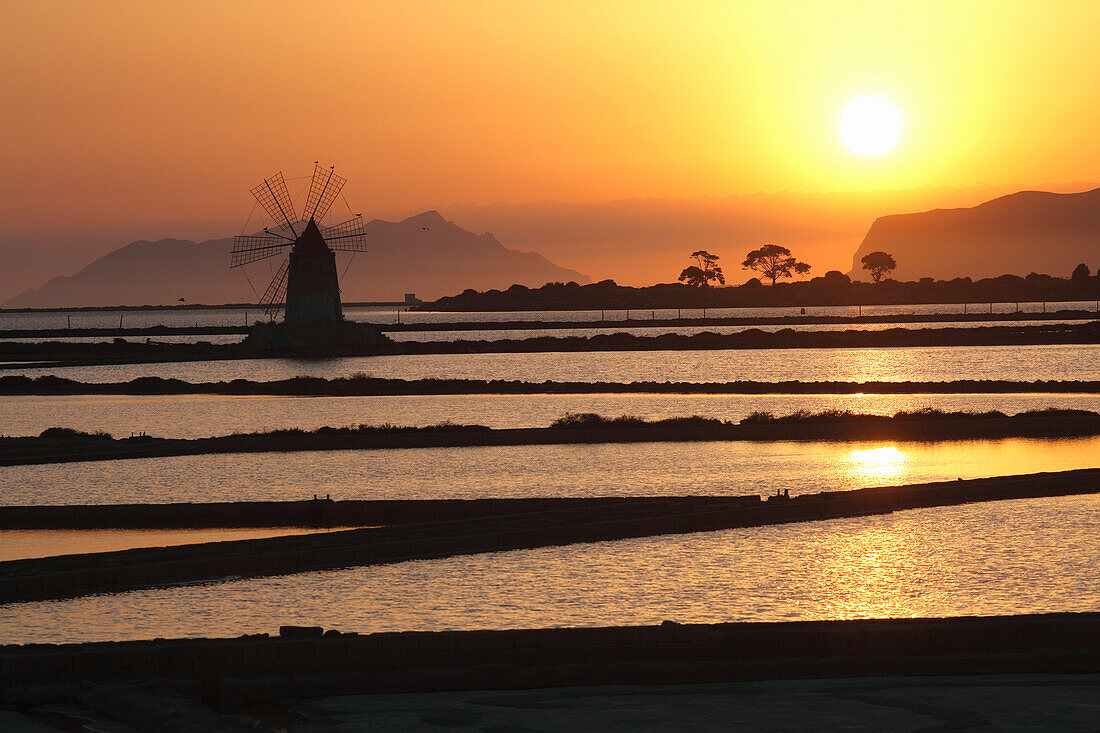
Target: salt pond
(1004,557)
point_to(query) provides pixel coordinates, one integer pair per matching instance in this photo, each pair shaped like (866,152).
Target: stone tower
(312,290)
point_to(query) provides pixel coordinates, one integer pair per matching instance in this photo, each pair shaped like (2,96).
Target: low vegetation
(924,413)
(60,444)
(72,434)
(363,384)
(383,429)
(590,420)
(833,288)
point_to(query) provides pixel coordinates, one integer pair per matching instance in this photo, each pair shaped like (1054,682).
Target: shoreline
(57,354)
(63,445)
(517,325)
(13,385)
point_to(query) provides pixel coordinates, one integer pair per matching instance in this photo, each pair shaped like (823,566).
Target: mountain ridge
(1021,232)
(423,254)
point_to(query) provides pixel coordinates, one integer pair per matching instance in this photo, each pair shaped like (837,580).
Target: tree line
(774,262)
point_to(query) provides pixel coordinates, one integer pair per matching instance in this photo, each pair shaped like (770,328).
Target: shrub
(70,434)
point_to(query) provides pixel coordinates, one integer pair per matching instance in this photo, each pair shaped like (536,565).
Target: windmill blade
(273,297)
(287,230)
(248,249)
(323,190)
(273,196)
(347,236)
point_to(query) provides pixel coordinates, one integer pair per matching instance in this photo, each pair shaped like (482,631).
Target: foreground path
(1037,672)
(573,522)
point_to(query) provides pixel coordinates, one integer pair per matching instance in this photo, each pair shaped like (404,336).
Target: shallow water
(214,338)
(930,363)
(631,469)
(198,416)
(1004,557)
(20,544)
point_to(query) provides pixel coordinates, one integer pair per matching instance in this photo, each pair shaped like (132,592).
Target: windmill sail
(306,281)
(273,196)
(247,249)
(272,299)
(323,190)
(347,236)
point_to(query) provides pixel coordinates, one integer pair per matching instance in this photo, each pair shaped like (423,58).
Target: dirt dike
(309,663)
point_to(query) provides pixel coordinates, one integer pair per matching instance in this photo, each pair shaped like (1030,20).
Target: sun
(870,126)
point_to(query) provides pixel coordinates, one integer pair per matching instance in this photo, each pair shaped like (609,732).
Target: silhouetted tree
(703,271)
(879,263)
(1080,273)
(773,261)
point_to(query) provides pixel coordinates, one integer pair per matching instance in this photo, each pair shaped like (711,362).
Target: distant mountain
(1029,231)
(424,254)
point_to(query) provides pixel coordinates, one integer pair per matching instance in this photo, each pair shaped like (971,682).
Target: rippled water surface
(1004,557)
(194,416)
(635,469)
(932,363)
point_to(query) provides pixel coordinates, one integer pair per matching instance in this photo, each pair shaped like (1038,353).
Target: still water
(199,416)
(636,469)
(928,363)
(19,544)
(1003,557)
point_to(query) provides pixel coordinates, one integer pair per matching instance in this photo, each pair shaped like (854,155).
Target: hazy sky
(122,112)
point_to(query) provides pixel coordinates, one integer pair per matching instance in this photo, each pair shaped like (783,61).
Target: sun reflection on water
(876,464)
(880,572)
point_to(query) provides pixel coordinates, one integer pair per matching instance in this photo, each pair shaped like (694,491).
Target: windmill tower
(306,278)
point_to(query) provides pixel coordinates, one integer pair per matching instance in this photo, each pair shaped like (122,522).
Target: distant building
(411,299)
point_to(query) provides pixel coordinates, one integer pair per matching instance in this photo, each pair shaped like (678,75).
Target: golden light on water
(877,572)
(877,464)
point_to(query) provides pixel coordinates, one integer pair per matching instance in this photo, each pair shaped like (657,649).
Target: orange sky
(118,112)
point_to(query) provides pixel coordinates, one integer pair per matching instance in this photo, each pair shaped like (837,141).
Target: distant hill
(1029,231)
(424,254)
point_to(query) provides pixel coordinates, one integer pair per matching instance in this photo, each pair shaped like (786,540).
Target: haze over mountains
(424,254)
(1029,231)
(634,241)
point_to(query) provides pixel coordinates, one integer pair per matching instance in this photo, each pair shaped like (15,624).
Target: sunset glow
(540,102)
(742,349)
(870,126)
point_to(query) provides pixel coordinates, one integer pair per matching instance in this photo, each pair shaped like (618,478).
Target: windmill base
(314,338)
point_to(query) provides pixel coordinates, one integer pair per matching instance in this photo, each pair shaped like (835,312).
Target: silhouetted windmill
(307,275)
